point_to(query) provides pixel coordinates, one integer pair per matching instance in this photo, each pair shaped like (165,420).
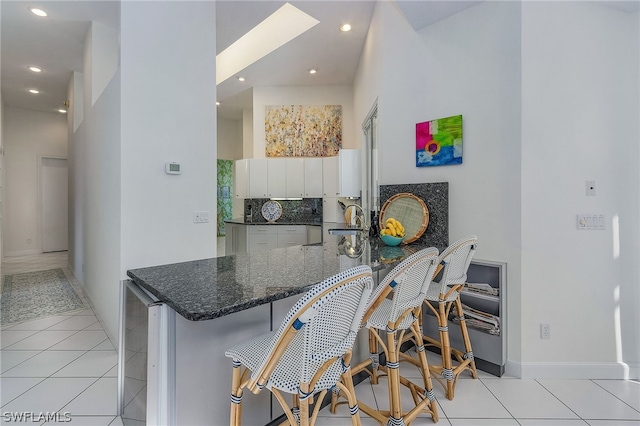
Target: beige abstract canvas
(303,130)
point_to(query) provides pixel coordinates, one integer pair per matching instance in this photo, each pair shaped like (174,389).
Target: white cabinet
(258,178)
(241,177)
(330,209)
(261,237)
(285,177)
(277,177)
(341,174)
(235,240)
(314,234)
(313,177)
(349,179)
(330,186)
(294,235)
(295,177)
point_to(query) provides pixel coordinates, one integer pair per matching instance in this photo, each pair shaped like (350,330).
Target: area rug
(37,294)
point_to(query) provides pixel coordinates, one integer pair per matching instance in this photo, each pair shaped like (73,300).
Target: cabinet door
(330,209)
(295,177)
(241,178)
(349,173)
(330,177)
(313,177)
(295,235)
(276,177)
(258,177)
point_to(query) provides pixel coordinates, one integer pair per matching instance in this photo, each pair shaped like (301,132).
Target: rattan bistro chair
(310,352)
(442,295)
(407,283)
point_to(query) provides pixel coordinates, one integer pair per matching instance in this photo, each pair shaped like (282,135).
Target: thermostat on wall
(172,168)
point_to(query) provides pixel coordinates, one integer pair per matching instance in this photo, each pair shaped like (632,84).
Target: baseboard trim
(20,252)
(573,370)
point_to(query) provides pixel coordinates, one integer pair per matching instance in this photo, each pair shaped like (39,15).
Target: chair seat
(433,293)
(380,317)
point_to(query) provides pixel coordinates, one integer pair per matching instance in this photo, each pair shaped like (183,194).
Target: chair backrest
(455,261)
(321,326)
(408,281)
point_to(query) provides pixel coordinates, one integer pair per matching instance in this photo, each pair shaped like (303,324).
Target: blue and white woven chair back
(456,259)
(327,318)
(412,277)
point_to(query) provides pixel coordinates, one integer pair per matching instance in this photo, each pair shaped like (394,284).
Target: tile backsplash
(304,210)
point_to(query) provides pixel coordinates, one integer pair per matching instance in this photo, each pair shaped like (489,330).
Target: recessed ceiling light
(313,71)
(35,69)
(217,103)
(345,27)
(34,91)
(240,78)
(38,12)
(63,111)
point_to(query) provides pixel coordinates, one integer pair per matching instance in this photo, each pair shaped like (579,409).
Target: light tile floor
(66,363)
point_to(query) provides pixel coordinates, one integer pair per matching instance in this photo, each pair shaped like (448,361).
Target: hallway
(62,366)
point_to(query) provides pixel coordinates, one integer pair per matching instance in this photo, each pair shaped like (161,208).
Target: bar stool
(408,283)
(310,352)
(442,295)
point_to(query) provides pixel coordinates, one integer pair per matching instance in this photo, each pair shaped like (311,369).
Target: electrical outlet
(545,331)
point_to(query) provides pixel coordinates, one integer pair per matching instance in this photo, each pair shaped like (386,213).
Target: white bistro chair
(441,297)
(393,310)
(310,352)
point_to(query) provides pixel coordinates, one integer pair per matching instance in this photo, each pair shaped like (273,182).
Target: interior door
(54,204)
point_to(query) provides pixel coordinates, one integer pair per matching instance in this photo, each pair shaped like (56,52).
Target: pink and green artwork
(439,142)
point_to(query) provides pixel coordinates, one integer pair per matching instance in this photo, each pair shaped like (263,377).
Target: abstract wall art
(303,130)
(439,142)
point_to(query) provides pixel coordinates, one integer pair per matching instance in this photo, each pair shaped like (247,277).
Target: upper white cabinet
(295,177)
(258,178)
(241,177)
(349,176)
(299,177)
(313,177)
(341,174)
(277,177)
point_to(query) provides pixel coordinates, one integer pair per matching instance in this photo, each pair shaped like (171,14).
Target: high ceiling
(55,44)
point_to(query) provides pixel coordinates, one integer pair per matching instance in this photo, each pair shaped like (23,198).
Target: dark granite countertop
(211,288)
(241,221)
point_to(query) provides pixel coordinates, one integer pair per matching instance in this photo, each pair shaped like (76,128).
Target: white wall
(229,139)
(469,65)
(302,95)
(97,206)
(543,111)
(27,135)
(168,114)
(580,121)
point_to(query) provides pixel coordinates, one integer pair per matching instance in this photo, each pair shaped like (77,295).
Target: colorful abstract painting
(439,142)
(303,130)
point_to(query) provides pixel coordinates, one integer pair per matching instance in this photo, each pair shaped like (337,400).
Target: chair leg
(236,395)
(347,381)
(426,374)
(445,348)
(375,358)
(465,338)
(393,376)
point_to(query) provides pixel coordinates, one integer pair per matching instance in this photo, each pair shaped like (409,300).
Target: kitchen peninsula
(200,308)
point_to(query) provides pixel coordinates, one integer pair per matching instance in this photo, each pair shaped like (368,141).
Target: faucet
(354,216)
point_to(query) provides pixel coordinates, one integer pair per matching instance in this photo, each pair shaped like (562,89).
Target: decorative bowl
(390,240)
